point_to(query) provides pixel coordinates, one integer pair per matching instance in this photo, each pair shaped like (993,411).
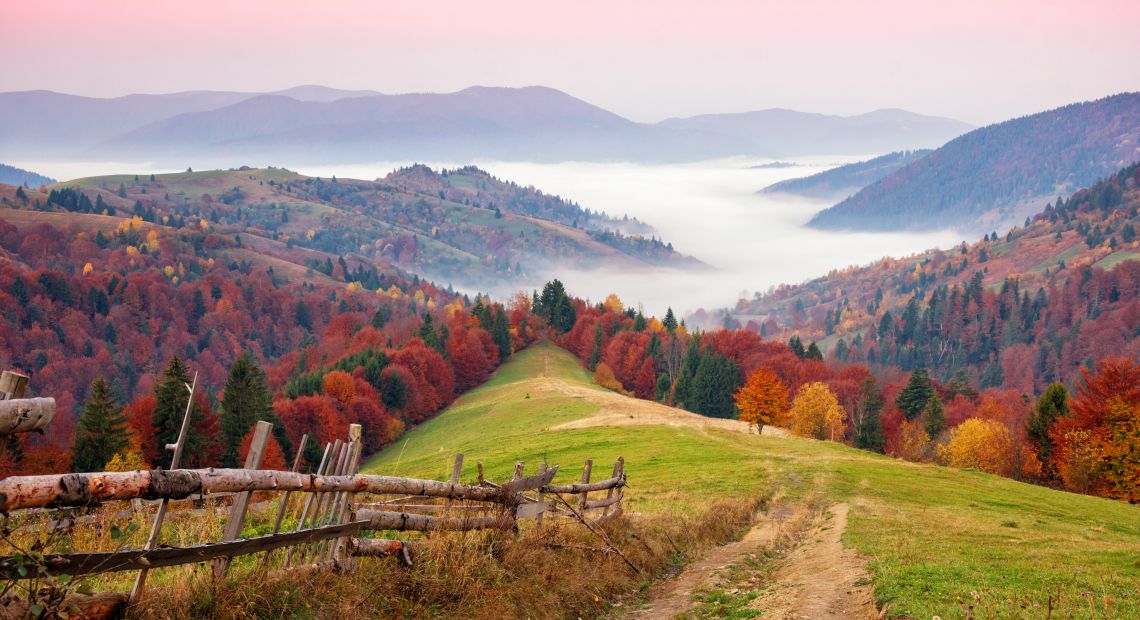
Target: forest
(983,179)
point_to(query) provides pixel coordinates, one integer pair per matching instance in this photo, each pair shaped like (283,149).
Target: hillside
(18,176)
(312,124)
(1025,309)
(461,227)
(842,181)
(995,176)
(936,541)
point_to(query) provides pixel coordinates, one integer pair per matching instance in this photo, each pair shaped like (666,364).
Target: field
(936,541)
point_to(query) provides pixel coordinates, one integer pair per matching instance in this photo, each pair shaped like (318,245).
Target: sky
(979,61)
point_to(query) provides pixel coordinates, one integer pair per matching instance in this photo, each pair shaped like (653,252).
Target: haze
(975,60)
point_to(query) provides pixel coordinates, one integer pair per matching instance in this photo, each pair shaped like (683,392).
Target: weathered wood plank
(573,489)
(137,559)
(25,415)
(12,385)
(405,521)
(603,503)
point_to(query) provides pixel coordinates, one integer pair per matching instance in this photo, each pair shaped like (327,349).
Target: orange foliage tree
(604,377)
(339,385)
(763,399)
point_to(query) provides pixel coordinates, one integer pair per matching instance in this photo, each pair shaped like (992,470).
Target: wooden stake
(241,501)
(456,469)
(585,495)
(285,499)
(310,500)
(175,461)
(12,385)
(541,496)
(610,491)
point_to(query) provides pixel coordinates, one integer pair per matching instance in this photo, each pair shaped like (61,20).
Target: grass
(939,541)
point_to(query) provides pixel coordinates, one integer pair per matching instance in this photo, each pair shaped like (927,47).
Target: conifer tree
(670,321)
(688,370)
(716,380)
(869,431)
(813,352)
(1051,406)
(102,430)
(171,396)
(934,417)
(245,401)
(596,354)
(501,333)
(919,389)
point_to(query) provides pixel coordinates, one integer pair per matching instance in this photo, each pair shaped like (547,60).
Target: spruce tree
(869,432)
(596,354)
(919,389)
(797,346)
(716,380)
(934,417)
(501,334)
(813,352)
(102,430)
(1052,405)
(688,370)
(245,402)
(171,396)
(670,321)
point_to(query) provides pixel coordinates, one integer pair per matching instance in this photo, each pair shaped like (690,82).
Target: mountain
(845,180)
(785,133)
(314,124)
(462,227)
(995,176)
(1023,310)
(18,176)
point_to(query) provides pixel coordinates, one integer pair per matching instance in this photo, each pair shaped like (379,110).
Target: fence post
(518,471)
(285,498)
(12,385)
(456,469)
(241,500)
(610,491)
(311,499)
(338,549)
(541,497)
(175,461)
(585,480)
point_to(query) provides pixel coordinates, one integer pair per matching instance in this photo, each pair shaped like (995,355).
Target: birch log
(24,415)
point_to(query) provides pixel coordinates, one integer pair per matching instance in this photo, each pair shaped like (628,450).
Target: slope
(840,182)
(938,541)
(994,176)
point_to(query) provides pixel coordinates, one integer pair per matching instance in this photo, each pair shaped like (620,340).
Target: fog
(708,210)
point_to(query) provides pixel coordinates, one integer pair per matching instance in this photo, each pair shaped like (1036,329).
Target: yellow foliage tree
(914,442)
(982,444)
(604,377)
(613,303)
(126,461)
(340,385)
(816,413)
(763,399)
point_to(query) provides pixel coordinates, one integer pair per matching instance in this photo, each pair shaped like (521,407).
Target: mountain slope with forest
(842,181)
(995,176)
(18,176)
(1023,310)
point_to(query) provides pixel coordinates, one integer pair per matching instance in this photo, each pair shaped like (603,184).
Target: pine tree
(797,346)
(596,354)
(716,380)
(245,402)
(1052,405)
(101,432)
(919,389)
(934,417)
(171,397)
(670,321)
(813,352)
(869,431)
(687,372)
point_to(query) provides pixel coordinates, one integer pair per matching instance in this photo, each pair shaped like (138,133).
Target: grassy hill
(937,541)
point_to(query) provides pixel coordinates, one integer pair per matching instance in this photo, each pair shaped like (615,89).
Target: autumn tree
(913,398)
(816,413)
(339,385)
(980,444)
(604,377)
(934,417)
(102,430)
(171,396)
(763,399)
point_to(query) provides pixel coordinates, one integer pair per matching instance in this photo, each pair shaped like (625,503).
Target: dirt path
(671,597)
(821,579)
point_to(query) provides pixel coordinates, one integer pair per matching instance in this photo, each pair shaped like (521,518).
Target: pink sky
(980,61)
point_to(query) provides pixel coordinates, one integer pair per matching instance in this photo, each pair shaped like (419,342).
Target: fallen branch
(597,532)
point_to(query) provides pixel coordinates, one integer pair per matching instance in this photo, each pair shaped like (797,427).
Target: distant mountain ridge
(18,176)
(312,123)
(995,176)
(843,181)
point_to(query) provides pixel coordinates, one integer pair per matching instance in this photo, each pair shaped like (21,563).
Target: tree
(102,430)
(816,413)
(245,401)
(934,417)
(869,431)
(596,354)
(919,389)
(714,383)
(339,385)
(501,333)
(604,377)
(980,444)
(171,397)
(670,321)
(813,352)
(1051,405)
(763,399)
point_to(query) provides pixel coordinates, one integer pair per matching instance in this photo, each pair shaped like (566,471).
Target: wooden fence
(19,414)
(328,520)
